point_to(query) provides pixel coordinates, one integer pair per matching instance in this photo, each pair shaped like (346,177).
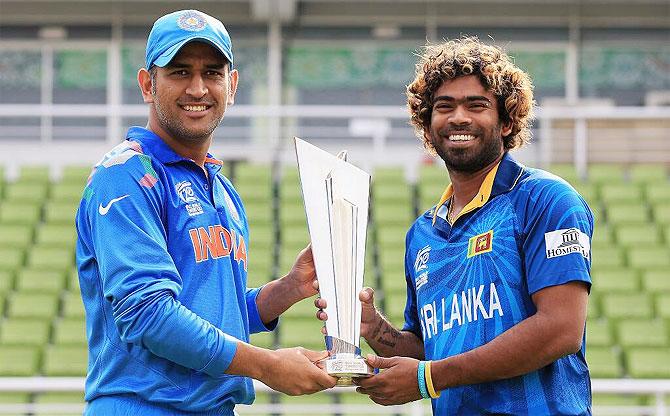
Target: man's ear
(144,81)
(506,128)
(233,78)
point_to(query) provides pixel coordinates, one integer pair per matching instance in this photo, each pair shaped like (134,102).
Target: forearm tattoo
(389,336)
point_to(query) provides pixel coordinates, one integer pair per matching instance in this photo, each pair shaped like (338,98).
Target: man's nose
(197,87)
(460,116)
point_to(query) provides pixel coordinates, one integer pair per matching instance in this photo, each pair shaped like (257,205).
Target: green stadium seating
(627,213)
(656,280)
(620,193)
(18,193)
(304,309)
(389,213)
(626,305)
(60,212)
(52,258)
(604,362)
(18,361)
(429,195)
(251,172)
(6,282)
(32,332)
(34,174)
(391,236)
(607,257)
(259,213)
(588,191)
(73,282)
(648,173)
(642,333)
(649,257)
(11,258)
(32,305)
(663,306)
(292,213)
(658,192)
(73,174)
(640,235)
(65,360)
(661,213)
(19,214)
(593,307)
(73,306)
(302,332)
(263,340)
(71,400)
(15,235)
(295,237)
(56,235)
(648,362)
(35,280)
(616,399)
(69,331)
(599,333)
(566,171)
(602,236)
(255,192)
(605,173)
(615,279)
(14,398)
(67,192)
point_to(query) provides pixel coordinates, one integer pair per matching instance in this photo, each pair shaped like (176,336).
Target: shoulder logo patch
(185,193)
(479,244)
(421,267)
(567,241)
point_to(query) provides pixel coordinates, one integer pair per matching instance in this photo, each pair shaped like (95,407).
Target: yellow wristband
(429,382)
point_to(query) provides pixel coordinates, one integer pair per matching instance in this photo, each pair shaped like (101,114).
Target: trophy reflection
(336,197)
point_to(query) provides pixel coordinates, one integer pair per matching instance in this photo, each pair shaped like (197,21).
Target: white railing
(659,389)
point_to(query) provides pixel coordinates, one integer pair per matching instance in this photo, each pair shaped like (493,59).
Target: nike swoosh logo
(103,210)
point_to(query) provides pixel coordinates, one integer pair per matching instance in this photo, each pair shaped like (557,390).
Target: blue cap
(176,29)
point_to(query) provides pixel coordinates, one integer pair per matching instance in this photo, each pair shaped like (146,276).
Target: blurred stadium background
(334,72)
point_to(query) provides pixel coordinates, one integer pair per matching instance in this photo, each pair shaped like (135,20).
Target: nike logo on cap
(103,210)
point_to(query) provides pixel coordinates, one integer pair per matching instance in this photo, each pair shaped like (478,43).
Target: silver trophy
(336,196)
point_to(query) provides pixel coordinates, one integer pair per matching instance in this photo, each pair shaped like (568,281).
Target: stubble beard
(472,160)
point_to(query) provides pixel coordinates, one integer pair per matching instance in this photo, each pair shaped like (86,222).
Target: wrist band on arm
(429,382)
(421,378)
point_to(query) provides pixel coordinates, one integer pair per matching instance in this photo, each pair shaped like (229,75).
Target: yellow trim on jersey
(478,201)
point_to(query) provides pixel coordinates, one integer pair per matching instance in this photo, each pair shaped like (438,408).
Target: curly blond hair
(510,85)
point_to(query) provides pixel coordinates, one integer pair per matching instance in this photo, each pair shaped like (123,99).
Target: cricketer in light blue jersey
(163,251)
(498,272)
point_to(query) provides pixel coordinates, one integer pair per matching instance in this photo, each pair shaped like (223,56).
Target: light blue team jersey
(525,230)
(162,260)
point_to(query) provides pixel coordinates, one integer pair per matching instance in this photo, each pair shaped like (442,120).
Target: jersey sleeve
(124,216)
(256,324)
(558,229)
(412,322)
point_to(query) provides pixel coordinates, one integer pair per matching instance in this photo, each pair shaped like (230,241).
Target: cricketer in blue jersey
(163,251)
(497,272)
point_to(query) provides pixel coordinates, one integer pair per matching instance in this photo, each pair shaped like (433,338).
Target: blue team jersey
(525,230)
(162,262)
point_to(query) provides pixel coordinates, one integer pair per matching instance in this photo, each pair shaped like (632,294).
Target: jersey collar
(501,179)
(152,144)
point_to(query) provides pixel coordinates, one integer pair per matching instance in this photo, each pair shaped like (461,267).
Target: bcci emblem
(192,21)
(421,267)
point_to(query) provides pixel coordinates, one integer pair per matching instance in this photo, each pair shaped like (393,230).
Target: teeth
(461,137)
(195,107)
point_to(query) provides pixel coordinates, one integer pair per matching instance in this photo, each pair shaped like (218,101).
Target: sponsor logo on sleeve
(567,241)
(104,209)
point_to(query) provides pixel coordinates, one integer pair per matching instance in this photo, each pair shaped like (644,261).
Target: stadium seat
(304,309)
(56,235)
(259,213)
(71,400)
(69,331)
(615,279)
(32,332)
(627,213)
(616,399)
(67,192)
(658,192)
(15,235)
(642,333)
(391,236)
(588,191)
(75,174)
(302,332)
(429,195)
(6,282)
(29,193)
(32,305)
(292,213)
(18,361)
(649,257)
(648,173)
(65,360)
(263,340)
(36,280)
(661,213)
(599,333)
(593,307)
(11,258)
(52,258)
(620,193)
(604,362)
(19,214)
(648,362)
(567,172)
(294,238)
(640,235)
(626,305)
(663,306)
(602,236)
(14,398)
(605,173)
(73,282)
(607,257)
(38,174)
(392,213)
(255,192)
(251,172)
(73,306)
(656,280)
(60,212)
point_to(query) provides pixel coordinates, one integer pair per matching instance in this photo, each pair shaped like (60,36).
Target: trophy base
(346,369)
